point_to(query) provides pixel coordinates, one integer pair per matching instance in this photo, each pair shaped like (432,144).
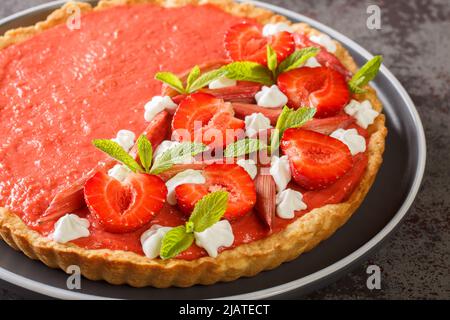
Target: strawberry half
(323,88)
(245,42)
(316,160)
(228,177)
(124,207)
(201,117)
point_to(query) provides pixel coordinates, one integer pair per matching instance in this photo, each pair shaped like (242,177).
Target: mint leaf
(175,155)
(272,61)
(193,75)
(249,71)
(175,241)
(206,79)
(367,73)
(114,150)
(145,152)
(290,118)
(209,210)
(171,80)
(243,147)
(297,59)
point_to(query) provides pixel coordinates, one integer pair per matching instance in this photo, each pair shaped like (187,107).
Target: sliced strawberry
(323,88)
(316,160)
(245,42)
(228,177)
(124,207)
(324,57)
(328,125)
(201,117)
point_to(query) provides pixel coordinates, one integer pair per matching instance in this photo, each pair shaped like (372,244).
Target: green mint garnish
(175,241)
(297,59)
(290,118)
(272,61)
(207,211)
(114,150)
(249,71)
(193,75)
(145,152)
(175,155)
(205,79)
(194,81)
(367,73)
(243,147)
(171,80)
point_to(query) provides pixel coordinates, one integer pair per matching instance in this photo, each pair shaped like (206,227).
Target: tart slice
(166,153)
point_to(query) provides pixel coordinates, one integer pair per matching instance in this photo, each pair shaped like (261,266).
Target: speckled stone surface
(415,41)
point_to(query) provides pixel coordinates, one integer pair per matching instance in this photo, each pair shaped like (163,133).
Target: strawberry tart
(172,143)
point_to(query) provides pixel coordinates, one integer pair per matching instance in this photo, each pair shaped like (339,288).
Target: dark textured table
(415,42)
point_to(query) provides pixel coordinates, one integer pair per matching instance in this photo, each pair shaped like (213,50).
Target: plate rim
(324,273)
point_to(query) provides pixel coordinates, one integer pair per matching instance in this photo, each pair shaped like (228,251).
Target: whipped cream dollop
(70,227)
(156,105)
(186,176)
(151,240)
(222,82)
(325,41)
(256,122)
(362,112)
(355,142)
(280,171)
(271,29)
(125,139)
(119,172)
(270,97)
(218,235)
(288,201)
(312,63)
(249,165)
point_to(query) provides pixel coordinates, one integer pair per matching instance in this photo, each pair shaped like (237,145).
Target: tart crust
(122,267)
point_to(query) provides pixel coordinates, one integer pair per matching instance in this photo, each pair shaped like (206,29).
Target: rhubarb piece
(245,109)
(265,198)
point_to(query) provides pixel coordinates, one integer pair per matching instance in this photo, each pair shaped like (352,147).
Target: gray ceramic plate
(386,204)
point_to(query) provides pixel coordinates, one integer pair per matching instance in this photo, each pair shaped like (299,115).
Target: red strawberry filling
(245,42)
(124,207)
(228,177)
(323,88)
(202,118)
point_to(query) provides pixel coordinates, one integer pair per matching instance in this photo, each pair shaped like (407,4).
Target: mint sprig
(272,60)
(145,151)
(290,118)
(297,59)
(249,71)
(367,73)
(194,81)
(114,150)
(207,211)
(243,147)
(176,155)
